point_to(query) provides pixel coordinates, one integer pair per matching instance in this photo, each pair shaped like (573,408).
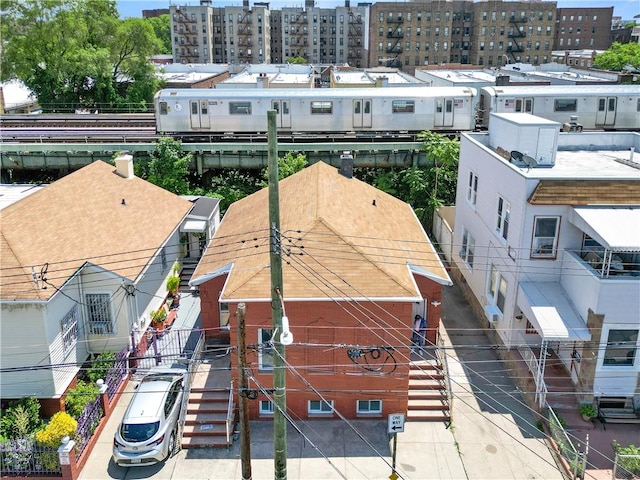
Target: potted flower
(588,412)
(158,317)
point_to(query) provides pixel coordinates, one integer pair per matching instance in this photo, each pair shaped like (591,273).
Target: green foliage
(162,27)
(79,397)
(588,410)
(159,315)
(173,282)
(61,425)
(168,167)
(630,464)
(78,54)
(287,166)
(21,418)
(619,56)
(232,184)
(100,366)
(296,60)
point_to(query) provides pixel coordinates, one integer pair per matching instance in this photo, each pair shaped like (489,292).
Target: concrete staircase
(427,393)
(206,422)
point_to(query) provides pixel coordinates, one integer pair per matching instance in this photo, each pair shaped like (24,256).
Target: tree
(287,166)
(77,53)
(619,56)
(162,28)
(168,167)
(297,60)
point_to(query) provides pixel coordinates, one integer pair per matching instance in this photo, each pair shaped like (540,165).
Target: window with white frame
(368,407)
(545,236)
(266,407)
(265,351)
(472,190)
(502,293)
(622,345)
(320,407)
(99,315)
(493,282)
(468,247)
(224,315)
(504,214)
(69,328)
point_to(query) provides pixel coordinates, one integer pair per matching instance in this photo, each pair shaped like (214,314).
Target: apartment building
(542,257)
(511,32)
(248,33)
(192,31)
(579,28)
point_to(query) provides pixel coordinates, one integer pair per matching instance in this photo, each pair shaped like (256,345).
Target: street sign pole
(395,424)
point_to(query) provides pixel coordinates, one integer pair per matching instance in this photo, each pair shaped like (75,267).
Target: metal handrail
(230,410)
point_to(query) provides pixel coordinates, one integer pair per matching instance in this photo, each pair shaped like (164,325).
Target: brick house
(357,268)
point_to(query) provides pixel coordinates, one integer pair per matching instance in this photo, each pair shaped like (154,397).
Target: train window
(403,106)
(240,108)
(601,105)
(322,107)
(163,108)
(204,107)
(194,108)
(638,106)
(566,105)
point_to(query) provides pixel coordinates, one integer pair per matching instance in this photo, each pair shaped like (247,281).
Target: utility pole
(245,433)
(279,372)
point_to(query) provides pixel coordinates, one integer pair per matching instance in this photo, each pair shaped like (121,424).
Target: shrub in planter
(101,366)
(61,425)
(20,418)
(78,398)
(173,283)
(588,411)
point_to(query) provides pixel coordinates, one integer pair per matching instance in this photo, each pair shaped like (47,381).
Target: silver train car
(194,112)
(598,107)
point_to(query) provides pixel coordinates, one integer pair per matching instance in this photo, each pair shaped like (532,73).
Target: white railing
(533,363)
(230,411)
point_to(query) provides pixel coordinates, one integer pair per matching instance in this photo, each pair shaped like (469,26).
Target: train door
(283,113)
(606,114)
(362,113)
(199,114)
(524,105)
(444,112)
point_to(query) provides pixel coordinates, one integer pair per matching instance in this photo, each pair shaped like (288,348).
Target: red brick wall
(431,292)
(319,330)
(210,313)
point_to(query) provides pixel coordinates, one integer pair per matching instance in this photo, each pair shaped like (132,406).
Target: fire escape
(188,37)
(516,35)
(394,41)
(298,33)
(354,53)
(245,38)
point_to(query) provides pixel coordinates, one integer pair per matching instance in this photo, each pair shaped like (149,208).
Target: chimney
(124,166)
(346,164)
(263,80)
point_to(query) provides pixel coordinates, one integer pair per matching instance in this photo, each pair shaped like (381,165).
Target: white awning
(194,226)
(616,229)
(548,309)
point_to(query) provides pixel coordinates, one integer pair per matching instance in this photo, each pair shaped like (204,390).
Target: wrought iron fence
(626,467)
(24,457)
(87,423)
(577,460)
(117,373)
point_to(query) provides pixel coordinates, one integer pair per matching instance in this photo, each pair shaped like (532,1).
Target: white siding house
(547,236)
(84,260)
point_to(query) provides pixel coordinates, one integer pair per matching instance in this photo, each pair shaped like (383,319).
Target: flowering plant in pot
(173,283)
(158,317)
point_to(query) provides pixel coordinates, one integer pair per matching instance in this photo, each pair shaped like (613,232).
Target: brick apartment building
(579,28)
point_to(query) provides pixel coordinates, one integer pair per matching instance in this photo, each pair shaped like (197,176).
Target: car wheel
(172,444)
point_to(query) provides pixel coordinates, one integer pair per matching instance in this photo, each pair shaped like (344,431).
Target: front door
(362,113)
(283,113)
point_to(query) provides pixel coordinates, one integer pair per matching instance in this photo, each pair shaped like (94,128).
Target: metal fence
(24,457)
(626,467)
(577,460)
(87,423)
(117,373)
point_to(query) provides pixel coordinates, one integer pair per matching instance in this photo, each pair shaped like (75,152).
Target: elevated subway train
(388,110)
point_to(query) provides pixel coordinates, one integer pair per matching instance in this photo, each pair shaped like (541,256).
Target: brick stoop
(428,400)
(206,417)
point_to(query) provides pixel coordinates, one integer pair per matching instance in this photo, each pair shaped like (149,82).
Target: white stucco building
(547,240)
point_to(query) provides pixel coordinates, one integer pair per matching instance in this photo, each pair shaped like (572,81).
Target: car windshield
(138,432)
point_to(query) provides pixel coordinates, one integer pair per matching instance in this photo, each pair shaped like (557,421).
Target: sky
(627,9)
